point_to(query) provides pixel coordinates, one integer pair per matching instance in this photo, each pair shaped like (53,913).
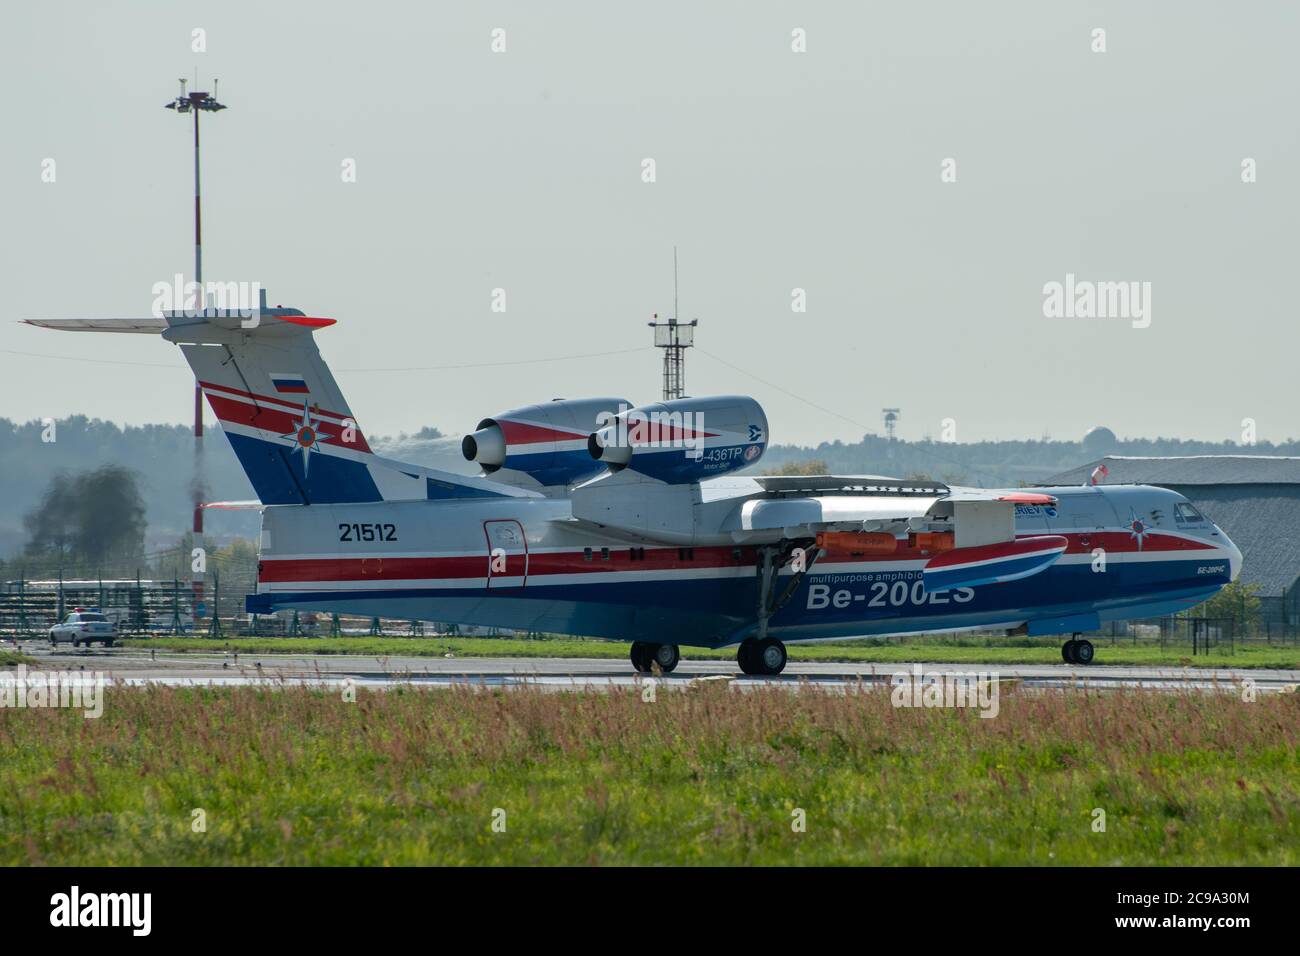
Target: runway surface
(137,666)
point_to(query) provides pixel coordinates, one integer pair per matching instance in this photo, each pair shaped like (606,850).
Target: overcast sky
(775,170)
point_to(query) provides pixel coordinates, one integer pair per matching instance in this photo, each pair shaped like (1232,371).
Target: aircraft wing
(966,535)
(838,503)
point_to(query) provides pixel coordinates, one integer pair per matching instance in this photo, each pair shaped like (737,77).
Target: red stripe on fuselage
(433,568)
(1120,542)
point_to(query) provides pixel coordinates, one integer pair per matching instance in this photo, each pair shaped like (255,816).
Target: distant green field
(710,775)
(942,650)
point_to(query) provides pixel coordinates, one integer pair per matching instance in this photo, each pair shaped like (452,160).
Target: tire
(666,656)
(744,657)
(640,656)
(770,657)
(1084,652)
(1067,652)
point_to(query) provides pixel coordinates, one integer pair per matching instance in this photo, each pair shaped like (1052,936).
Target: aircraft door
(507,554)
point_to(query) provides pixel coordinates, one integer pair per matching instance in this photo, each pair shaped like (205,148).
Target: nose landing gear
(645,656)
(1077,651)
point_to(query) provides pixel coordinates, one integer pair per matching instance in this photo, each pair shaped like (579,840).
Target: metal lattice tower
(891,421)
(674,338)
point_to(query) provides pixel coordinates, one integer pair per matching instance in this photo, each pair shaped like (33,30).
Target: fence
(143,607)
(1199,634)
(140,606)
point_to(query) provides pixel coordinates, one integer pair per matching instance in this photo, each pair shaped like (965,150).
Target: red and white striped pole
(200,301)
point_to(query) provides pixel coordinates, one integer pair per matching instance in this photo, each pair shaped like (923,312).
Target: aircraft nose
(1234,556)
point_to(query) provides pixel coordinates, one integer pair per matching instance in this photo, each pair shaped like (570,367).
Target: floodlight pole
(196,103)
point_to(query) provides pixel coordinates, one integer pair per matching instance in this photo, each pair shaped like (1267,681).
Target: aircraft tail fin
(283,412)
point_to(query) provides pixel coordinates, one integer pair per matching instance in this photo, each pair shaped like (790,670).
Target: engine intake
(547,442)
(684,440)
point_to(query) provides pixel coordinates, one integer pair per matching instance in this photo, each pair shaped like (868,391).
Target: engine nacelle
(547,442)
(684,440)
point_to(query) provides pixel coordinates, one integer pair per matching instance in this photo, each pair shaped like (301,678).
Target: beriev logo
(103,909)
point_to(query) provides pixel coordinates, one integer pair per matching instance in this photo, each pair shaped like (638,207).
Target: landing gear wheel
(1067,651)
(665,655)
(645,656)
(641,657)
(1083,652)
(764,658)
(771,657)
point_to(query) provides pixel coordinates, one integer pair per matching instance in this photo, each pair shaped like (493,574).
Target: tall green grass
(709,775)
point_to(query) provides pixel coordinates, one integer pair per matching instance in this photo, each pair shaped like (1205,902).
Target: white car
(82,627)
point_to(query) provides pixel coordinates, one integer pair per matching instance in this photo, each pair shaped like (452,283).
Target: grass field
(706,776)
(949,650)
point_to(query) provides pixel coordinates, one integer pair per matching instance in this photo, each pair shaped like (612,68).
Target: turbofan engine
(684,440)
(547,442)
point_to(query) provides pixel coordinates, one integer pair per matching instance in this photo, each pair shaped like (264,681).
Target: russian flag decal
(992,563)
(289,382)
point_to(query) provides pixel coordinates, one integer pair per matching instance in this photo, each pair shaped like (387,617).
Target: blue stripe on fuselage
(871,602)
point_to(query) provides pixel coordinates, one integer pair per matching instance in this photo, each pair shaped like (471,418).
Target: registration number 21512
(367,532)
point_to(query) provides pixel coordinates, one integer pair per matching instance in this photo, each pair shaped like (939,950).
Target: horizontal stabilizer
(210,328)
(144,326)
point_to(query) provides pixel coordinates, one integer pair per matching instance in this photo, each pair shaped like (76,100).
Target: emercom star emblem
(305,436)
(1137,529)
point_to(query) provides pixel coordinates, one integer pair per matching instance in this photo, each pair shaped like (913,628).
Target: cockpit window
(1188,512)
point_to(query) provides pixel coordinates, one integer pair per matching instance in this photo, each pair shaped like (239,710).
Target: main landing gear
(1076,651)
(760,655)
(761,658)
(645,656)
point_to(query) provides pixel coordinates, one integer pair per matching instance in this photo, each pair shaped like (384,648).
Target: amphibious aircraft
(598,517)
